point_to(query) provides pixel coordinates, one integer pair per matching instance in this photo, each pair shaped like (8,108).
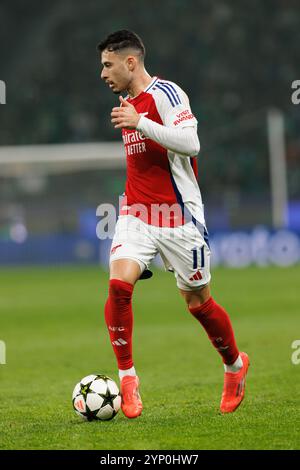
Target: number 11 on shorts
(195,257)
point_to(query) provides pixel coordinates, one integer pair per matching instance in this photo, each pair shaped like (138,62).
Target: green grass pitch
(53,326)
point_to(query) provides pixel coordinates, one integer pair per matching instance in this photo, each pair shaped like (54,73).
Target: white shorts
(184,250)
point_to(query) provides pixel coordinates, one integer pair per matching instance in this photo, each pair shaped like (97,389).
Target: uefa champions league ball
(96,397)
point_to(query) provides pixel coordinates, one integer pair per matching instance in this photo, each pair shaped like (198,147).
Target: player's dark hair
(123,39)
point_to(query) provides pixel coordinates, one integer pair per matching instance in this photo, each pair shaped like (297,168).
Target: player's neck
(139,83)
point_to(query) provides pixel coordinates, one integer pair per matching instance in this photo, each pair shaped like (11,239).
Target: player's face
(115,71)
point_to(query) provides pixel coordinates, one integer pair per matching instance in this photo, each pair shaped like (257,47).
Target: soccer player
(162,212)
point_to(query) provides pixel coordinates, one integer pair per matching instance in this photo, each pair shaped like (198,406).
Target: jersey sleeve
(174,106)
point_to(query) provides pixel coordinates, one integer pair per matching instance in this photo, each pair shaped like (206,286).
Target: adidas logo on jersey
(196,277)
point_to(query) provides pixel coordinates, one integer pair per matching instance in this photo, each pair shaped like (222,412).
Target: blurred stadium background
(237,65)
(60,159)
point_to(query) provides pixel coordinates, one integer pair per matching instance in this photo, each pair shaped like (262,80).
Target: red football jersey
(157,176)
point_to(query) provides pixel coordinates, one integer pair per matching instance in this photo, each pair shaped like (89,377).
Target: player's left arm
(178,133)
(125,116)
(182,140)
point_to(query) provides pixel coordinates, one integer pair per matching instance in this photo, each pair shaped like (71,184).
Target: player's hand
(125,116)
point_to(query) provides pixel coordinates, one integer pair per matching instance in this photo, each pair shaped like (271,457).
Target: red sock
(217,325)
(119,321)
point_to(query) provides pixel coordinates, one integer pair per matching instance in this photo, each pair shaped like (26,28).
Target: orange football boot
(131,401)
(234,387)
